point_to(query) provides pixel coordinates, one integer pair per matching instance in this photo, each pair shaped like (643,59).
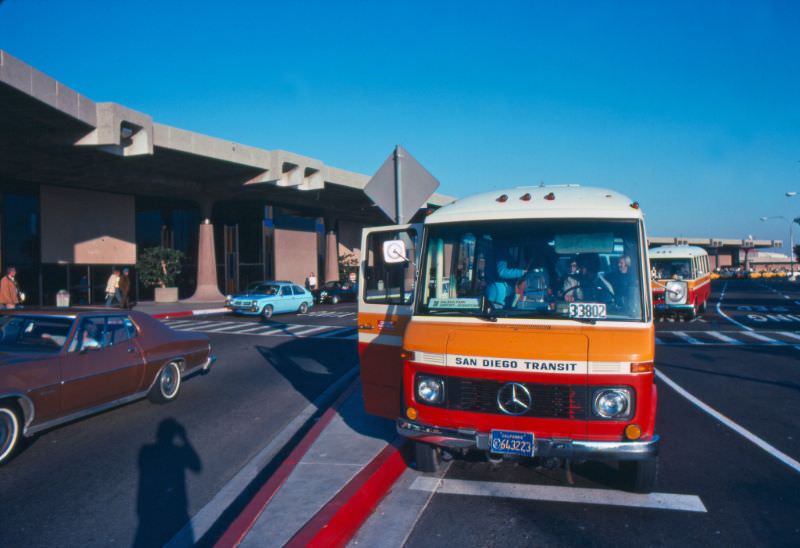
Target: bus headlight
(430,390)
(676,292)
(612,403)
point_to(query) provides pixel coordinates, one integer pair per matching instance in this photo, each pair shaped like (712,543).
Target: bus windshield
(579,269)
(664,268)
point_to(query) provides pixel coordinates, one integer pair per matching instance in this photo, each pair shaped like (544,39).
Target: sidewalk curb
(187,313)
(237,530)
(341,518)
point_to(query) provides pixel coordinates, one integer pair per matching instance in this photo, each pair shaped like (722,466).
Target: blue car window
(298,290)
(286,290)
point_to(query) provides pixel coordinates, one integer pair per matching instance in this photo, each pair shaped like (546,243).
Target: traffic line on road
(688,338)
(312,329)
(790,335)
(337,332)
(721,313)
(724,338)
(760,337)
(554,493)
(775,452)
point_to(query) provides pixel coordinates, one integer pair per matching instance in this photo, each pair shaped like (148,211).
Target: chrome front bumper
(464,438)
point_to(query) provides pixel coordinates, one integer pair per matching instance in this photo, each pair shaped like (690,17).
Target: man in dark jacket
(125,289)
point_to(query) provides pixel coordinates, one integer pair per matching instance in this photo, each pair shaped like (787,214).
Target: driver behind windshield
(502,278)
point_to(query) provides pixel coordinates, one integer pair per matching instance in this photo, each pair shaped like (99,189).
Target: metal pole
(791,247)
(398,186)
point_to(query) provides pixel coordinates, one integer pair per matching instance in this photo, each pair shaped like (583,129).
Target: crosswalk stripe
(760,337)
(688,338)
(722,337)
(790,335)
(312,329)
(224,328)
(173,323)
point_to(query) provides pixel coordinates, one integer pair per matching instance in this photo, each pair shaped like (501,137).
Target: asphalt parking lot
(728,474)
(91,483)
(729,402)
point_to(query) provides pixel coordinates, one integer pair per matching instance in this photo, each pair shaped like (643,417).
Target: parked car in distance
(335,292)
(271,297)
(60,365)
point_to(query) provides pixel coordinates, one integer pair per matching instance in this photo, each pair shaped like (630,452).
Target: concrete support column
(331,257)
(207,287)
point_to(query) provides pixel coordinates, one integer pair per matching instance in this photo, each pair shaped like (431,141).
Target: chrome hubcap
(169,381)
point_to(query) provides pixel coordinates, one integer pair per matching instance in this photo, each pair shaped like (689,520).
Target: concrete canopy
(53,135)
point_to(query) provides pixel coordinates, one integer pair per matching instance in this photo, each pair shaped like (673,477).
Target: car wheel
(303,308)
(428,457)
(335,299)
(167,385)
(267,312)
(9,431)
(640,475)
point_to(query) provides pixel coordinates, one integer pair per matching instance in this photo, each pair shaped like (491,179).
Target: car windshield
(664,268)
(266,289)
(580,269)
(33,333)
(332,285)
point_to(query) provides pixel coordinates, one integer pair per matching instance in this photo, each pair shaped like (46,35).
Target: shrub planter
(166,294)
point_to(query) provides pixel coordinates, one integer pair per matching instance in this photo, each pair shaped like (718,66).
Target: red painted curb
(165,315)
(341,518)
(236,532)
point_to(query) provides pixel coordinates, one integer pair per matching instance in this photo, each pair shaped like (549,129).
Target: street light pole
(791,238)
(792,194)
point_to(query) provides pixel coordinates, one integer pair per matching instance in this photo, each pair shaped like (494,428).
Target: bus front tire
(428,457)
(640,476)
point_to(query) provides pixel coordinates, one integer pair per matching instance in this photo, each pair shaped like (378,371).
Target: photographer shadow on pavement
(162,504)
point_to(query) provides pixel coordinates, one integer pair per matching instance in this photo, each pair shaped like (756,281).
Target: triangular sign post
(401,186)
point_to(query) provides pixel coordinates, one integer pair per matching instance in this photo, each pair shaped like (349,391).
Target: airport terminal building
(84,186)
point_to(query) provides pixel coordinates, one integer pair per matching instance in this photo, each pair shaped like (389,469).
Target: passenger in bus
(571,288)
(500,287)
(623,283)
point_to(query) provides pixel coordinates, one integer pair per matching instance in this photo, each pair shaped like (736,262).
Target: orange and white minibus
(518,323)
(681,277)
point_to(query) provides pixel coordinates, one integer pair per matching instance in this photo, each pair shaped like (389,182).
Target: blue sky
(691,108)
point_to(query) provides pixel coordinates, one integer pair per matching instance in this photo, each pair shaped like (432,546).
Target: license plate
(591,311)
(512,443)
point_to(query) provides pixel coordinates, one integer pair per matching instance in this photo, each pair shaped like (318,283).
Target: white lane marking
(688,338)
(789,335)
(311,329)
(236,325)
(552,493)
(659,341)
(205,328)
(760,337)
(173,323)
(780,455)
(721,313)
(722,337)
(193,323)
(203,520)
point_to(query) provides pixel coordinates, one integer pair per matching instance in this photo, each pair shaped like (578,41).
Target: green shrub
(159,266)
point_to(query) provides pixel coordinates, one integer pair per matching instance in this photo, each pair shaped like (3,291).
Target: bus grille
(552,401)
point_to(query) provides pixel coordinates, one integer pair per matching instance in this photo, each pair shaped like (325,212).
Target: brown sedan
(58,366)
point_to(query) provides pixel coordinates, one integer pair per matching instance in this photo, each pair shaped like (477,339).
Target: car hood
(252,296)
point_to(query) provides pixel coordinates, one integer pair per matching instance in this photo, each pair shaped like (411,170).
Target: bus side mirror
(394,251)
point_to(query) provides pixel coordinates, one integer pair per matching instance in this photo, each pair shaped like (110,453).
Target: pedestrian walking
(9,290)
(311,282)
(112,288)
(124,289)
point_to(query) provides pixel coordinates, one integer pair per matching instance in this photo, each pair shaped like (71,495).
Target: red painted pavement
(234,535)
(341,518)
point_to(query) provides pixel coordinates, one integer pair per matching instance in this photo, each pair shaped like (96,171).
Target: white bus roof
(543,202)
(677,252)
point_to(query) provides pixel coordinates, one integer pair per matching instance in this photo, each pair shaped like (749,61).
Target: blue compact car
(268,298)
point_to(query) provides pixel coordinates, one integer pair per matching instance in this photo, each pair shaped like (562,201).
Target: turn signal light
(411,413)
(633,432)
(405,355)
(642,367)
